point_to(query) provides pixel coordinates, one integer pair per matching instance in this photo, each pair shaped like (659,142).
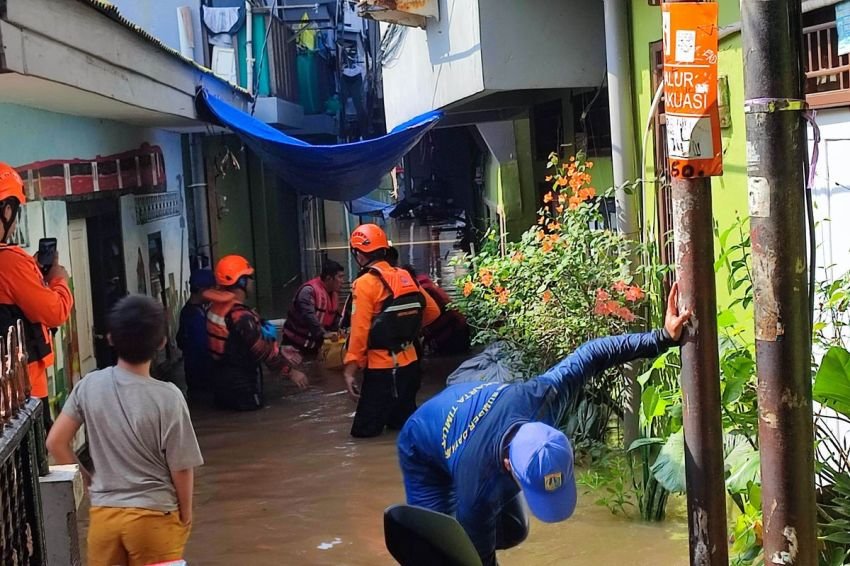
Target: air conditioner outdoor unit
(413,13)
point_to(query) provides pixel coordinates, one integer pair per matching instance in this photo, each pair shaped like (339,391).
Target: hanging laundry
(223,24)
(306,34)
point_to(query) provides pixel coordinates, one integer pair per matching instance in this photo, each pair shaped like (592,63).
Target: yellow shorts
(134,537)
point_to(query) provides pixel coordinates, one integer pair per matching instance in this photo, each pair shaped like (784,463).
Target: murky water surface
(287,485)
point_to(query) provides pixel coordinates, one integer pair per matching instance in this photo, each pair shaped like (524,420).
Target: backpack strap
(377,273)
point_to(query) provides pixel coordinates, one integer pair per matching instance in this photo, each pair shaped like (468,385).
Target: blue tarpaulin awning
(344,172)
(370,207)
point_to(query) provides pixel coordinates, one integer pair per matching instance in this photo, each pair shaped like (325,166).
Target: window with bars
(663,197)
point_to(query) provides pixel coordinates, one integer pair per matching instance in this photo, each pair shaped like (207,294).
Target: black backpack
(399,323)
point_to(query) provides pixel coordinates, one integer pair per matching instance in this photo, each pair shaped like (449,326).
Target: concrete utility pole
(773,78)
(623,160)
(704,468)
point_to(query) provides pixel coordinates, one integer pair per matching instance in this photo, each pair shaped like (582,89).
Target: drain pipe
(249,46)
(623,138)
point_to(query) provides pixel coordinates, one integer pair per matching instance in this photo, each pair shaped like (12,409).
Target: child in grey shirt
(141,442)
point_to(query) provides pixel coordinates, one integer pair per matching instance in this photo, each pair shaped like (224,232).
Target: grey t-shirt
(138,430)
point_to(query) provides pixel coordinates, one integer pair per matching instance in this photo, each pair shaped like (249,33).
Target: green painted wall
(523,174)
(261,62)
(729,192)
(602,173)
(260,224)
(232,233)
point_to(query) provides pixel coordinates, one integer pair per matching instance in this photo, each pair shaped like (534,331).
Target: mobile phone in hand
(46,253)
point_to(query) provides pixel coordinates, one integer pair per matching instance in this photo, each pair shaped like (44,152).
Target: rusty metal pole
(776,146)
(704,468)
(692,224)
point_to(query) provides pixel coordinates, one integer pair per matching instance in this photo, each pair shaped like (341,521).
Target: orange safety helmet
(369,238)
(11,185)
(230,269)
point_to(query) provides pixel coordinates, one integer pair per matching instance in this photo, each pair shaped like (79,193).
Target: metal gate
(23,458)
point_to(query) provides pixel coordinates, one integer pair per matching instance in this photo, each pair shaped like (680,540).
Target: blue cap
(542,463)
(202,279)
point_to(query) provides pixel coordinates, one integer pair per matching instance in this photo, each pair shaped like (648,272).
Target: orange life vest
(217,330)
(296,330)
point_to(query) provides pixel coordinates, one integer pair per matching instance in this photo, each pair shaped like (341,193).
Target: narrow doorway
(100,222)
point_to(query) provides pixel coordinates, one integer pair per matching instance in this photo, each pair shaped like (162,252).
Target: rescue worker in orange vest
(314,314)
(240,340)
(42,300)
(387,315)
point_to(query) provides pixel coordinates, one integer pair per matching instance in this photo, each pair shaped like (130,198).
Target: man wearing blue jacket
(474,450)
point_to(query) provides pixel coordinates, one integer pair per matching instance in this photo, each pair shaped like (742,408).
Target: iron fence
(23,458)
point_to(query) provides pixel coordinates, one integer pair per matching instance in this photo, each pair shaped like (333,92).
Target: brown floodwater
(287,486)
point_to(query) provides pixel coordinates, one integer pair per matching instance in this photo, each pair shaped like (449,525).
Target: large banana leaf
(832,382)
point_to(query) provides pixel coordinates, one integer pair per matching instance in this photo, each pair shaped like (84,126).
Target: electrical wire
(811,169)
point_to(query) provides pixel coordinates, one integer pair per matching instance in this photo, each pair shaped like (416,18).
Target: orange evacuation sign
(694,148)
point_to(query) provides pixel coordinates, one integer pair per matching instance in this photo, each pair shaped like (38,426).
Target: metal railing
(22,458)
(827,72)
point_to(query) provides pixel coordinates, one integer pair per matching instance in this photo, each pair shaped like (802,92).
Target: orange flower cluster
(613,308)
(468,288)
(517,257)
(574,179)
(486,277)
(547,296)
(608,306)
(504,295)
(632,293)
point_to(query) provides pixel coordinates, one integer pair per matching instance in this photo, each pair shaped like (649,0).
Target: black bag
(36,344)
(399,323)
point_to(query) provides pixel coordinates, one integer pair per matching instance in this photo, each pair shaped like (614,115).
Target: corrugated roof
(111,11)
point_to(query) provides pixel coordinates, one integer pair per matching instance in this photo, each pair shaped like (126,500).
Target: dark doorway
(106,265)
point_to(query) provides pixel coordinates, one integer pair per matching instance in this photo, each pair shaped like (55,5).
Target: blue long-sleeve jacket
(451,449)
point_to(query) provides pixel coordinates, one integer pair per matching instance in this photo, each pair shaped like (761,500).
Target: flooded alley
(287,485)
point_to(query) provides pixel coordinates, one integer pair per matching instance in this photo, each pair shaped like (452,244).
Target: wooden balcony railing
(282,60)
(827,72)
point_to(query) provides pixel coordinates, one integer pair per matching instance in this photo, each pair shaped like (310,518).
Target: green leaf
(645,377)
(669,467)
(743,464)
(652,404)
(832,381)
(732,391)
(754,494)
(725,236)
(726,318)
(841,538)
(641,442)
(662,360)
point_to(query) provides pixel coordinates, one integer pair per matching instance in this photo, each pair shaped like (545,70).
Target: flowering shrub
(564,282)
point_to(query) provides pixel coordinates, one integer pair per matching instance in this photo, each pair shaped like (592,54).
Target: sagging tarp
(343,172)
(498,363)
(370,207)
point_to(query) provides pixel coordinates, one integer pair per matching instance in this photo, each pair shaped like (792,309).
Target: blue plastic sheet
(370,207)
(343,172)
